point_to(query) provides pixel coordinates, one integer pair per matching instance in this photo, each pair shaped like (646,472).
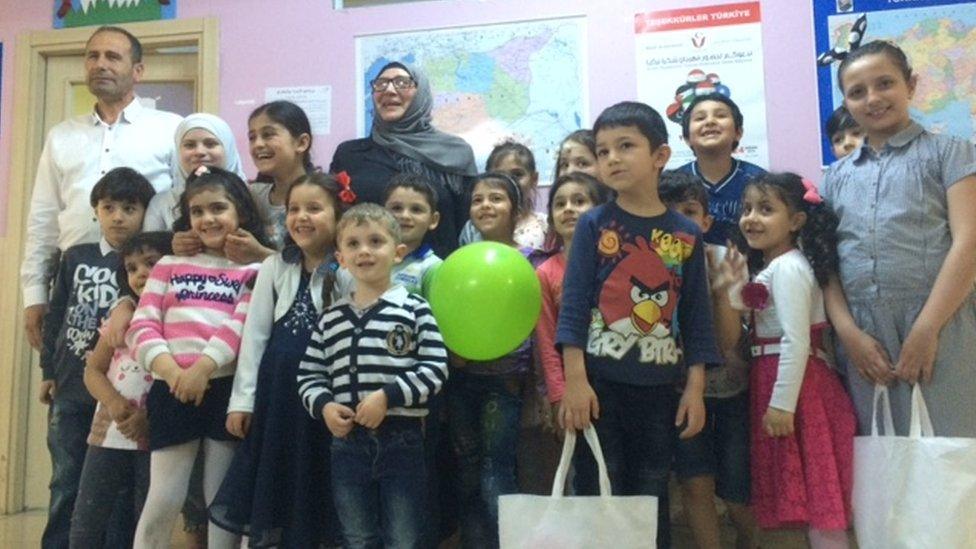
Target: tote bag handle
(569,444)
(881,392)
(921,424)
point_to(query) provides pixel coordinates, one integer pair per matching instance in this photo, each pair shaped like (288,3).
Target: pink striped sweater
(193,306)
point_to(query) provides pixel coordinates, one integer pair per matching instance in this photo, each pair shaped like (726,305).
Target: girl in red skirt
(802,421)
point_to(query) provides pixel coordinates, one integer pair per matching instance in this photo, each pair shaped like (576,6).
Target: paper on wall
(316,101)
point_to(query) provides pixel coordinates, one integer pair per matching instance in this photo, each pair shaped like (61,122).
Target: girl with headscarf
(202,139)
(403,140)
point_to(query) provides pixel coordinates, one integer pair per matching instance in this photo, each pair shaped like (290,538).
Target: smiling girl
(187,332)
(802,421)
(277,490)
(904,307)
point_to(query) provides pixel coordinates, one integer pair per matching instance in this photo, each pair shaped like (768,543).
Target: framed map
(939,37)
(525,81)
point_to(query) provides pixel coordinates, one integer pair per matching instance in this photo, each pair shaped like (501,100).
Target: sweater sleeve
(54,318)
(578,289)
(545,334)
(145,333)
(792,289)
(429,373)
(695,311)
(314,383)
(224,345)
(257,332)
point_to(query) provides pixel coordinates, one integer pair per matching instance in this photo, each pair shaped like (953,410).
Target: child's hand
(691,413)
(187,243)
(119,409)
(241,247)
(917,357)
(777,423)
(372,410)
(731,275)
(578,406)
(46,391)
(136,426)
(167,369)
(118,323)
(338,418)
(193,381)
(868,356)
(238,423)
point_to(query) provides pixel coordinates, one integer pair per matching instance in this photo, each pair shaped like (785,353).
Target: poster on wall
(525,81)
(939,38)
(683,53)
(316,101)
(80,13)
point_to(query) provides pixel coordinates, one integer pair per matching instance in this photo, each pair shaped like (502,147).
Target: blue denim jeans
(636,430)
(379,484)
(484,422)
(68,423)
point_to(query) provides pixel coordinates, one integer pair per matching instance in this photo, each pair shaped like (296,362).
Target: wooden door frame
(30,67)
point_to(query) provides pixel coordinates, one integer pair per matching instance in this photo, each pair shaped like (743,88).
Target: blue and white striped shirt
(395,346)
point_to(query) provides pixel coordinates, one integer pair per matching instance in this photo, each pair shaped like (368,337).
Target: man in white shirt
(78,151)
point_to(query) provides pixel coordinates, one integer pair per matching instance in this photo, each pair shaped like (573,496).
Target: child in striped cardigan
(372,364)
(187,331)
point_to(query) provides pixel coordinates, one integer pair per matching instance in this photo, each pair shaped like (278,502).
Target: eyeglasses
(399,83)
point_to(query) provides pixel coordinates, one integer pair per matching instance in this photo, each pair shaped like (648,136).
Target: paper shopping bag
(917,491)
(577,522)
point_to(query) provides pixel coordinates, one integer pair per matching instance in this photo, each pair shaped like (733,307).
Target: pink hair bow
(201,169)
(812,195)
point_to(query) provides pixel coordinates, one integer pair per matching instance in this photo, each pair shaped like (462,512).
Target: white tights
(169,470)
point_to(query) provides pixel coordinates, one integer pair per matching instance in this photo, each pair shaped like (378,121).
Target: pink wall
(306,42)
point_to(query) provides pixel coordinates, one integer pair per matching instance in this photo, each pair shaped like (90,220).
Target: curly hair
(817,238)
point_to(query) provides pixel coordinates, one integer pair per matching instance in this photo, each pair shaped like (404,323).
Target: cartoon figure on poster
(80,13)
(698,83)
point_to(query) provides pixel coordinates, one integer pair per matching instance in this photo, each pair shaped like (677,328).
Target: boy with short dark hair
(373,363)
(635,267)
(84,289)
(712,127)
(413,202)
(716,460)
(844,133)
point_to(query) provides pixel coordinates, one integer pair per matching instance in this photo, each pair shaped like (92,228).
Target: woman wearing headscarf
(201,140)
(402,140)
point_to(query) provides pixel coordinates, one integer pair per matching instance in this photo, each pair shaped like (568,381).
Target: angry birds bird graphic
(649,286)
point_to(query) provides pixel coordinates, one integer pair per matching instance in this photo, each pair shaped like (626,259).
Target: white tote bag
(917,491)
(577,522)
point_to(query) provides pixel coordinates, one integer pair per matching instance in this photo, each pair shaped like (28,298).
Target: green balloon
(486,299)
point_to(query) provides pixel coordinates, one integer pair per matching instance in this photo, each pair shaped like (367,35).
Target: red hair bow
(346,194)
(812,195)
